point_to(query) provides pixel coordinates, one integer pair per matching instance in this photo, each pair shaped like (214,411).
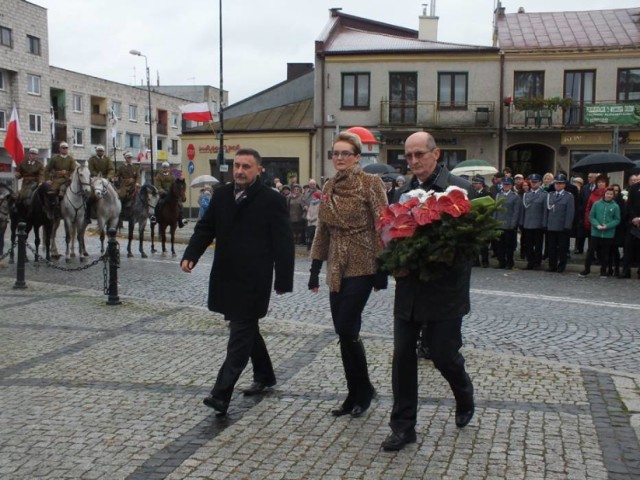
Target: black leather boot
(364,389)
(349,373)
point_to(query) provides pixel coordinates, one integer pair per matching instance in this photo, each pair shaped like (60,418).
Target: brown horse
(167,215)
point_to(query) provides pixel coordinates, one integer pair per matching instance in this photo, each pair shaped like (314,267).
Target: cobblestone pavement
(97,391)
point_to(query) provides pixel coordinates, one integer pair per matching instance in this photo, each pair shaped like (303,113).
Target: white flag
(113,120)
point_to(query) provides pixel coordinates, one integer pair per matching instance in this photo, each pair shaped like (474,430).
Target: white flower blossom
(418,193)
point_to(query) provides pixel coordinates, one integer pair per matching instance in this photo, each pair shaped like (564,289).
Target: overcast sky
(181,39)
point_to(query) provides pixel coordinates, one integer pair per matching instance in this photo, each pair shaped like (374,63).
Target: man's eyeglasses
(342,154)
(416,155)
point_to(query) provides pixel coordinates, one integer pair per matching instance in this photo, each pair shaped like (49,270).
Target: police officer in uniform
(128,178)
(59,171)
(509,215)
(31,171)
(533,221)
(99,164)
(561,211)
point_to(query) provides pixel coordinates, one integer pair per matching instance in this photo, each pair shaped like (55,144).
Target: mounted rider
(31,171)
(164,181)
(128,178)
(59,170)
(99,164)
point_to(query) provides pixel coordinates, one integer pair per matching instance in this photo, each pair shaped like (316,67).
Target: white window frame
(3,120)
(77,103)
(35,122)
(147,115)
(2,80)
(175,118)
(117,108)
(33,84)
(133,109)
(78,137)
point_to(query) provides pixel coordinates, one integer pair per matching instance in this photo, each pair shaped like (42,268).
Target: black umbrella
(379,168)
(603,162)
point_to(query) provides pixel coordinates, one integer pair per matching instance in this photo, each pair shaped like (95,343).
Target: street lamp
(146,66)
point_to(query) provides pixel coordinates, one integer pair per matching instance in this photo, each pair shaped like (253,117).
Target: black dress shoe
(257,388)
(218,405)
(463,417)
(397,440)
(344,409)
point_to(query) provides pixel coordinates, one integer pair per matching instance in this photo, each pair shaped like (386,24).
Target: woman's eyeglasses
(342,154)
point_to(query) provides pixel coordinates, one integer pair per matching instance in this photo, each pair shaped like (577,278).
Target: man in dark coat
(438,304)
(250,224)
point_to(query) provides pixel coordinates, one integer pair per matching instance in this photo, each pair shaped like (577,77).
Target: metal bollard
(114,264)
(22,253)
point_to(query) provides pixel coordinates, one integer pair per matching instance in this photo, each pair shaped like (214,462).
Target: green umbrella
(474,167)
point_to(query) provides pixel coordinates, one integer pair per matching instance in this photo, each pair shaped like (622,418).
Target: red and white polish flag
(13,141)
(197,112)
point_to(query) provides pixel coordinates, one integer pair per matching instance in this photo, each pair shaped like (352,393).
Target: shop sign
(612,114)
(216,148)
(586,138)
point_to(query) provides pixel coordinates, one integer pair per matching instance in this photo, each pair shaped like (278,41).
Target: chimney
(428,27)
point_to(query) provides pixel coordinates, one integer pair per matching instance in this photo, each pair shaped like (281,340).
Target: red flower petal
(426,212)
(403,226)
(454,204)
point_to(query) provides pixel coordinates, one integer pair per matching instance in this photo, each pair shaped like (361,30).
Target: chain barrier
(9,252)
(55,266)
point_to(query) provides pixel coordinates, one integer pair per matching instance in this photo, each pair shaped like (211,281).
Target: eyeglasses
(417,155)
(342,154)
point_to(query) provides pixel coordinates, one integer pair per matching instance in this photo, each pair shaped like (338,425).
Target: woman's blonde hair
(352,139)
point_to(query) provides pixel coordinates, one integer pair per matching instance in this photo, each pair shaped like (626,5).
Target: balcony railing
(162,129)
(99,119)
(434,114)
(60,114)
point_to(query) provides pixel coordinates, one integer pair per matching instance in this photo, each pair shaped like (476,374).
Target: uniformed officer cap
(128,155)
(64,145)
(560,178)
(534,177)
(99,148)
(478,179)
(33,150)
(507,181)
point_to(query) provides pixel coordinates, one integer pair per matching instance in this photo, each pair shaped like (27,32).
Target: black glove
(314,278)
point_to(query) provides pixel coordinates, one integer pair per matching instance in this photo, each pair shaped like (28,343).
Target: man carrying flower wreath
(423,299)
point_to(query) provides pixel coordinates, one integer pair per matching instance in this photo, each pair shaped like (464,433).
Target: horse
(72,210)
(107,206)
(37,211)
(7,200)
(167,214)
(141,208)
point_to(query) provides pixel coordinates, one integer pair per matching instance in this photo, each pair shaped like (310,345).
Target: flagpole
(221,159)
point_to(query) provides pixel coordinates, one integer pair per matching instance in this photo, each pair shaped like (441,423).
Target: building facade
(533,101)
(56,105)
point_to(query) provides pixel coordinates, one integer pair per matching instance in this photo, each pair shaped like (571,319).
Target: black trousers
(347,305)
(245,342)
(558,246)
(533,238)
(601,247)
(444,339)
(505,247)
(631,253)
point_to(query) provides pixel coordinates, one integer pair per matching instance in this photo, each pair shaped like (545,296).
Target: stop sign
(191,151)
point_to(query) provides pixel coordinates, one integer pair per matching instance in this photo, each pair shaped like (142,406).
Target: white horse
(72,209)
(107,206)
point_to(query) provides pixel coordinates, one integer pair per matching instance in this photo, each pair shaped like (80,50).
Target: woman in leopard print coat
(347,240)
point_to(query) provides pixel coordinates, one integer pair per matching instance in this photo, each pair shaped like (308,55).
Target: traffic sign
(191,151)
(190,167)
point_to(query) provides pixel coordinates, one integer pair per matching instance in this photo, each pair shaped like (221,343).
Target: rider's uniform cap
(99,148)
(64,145)
(33,150)
(128,155)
